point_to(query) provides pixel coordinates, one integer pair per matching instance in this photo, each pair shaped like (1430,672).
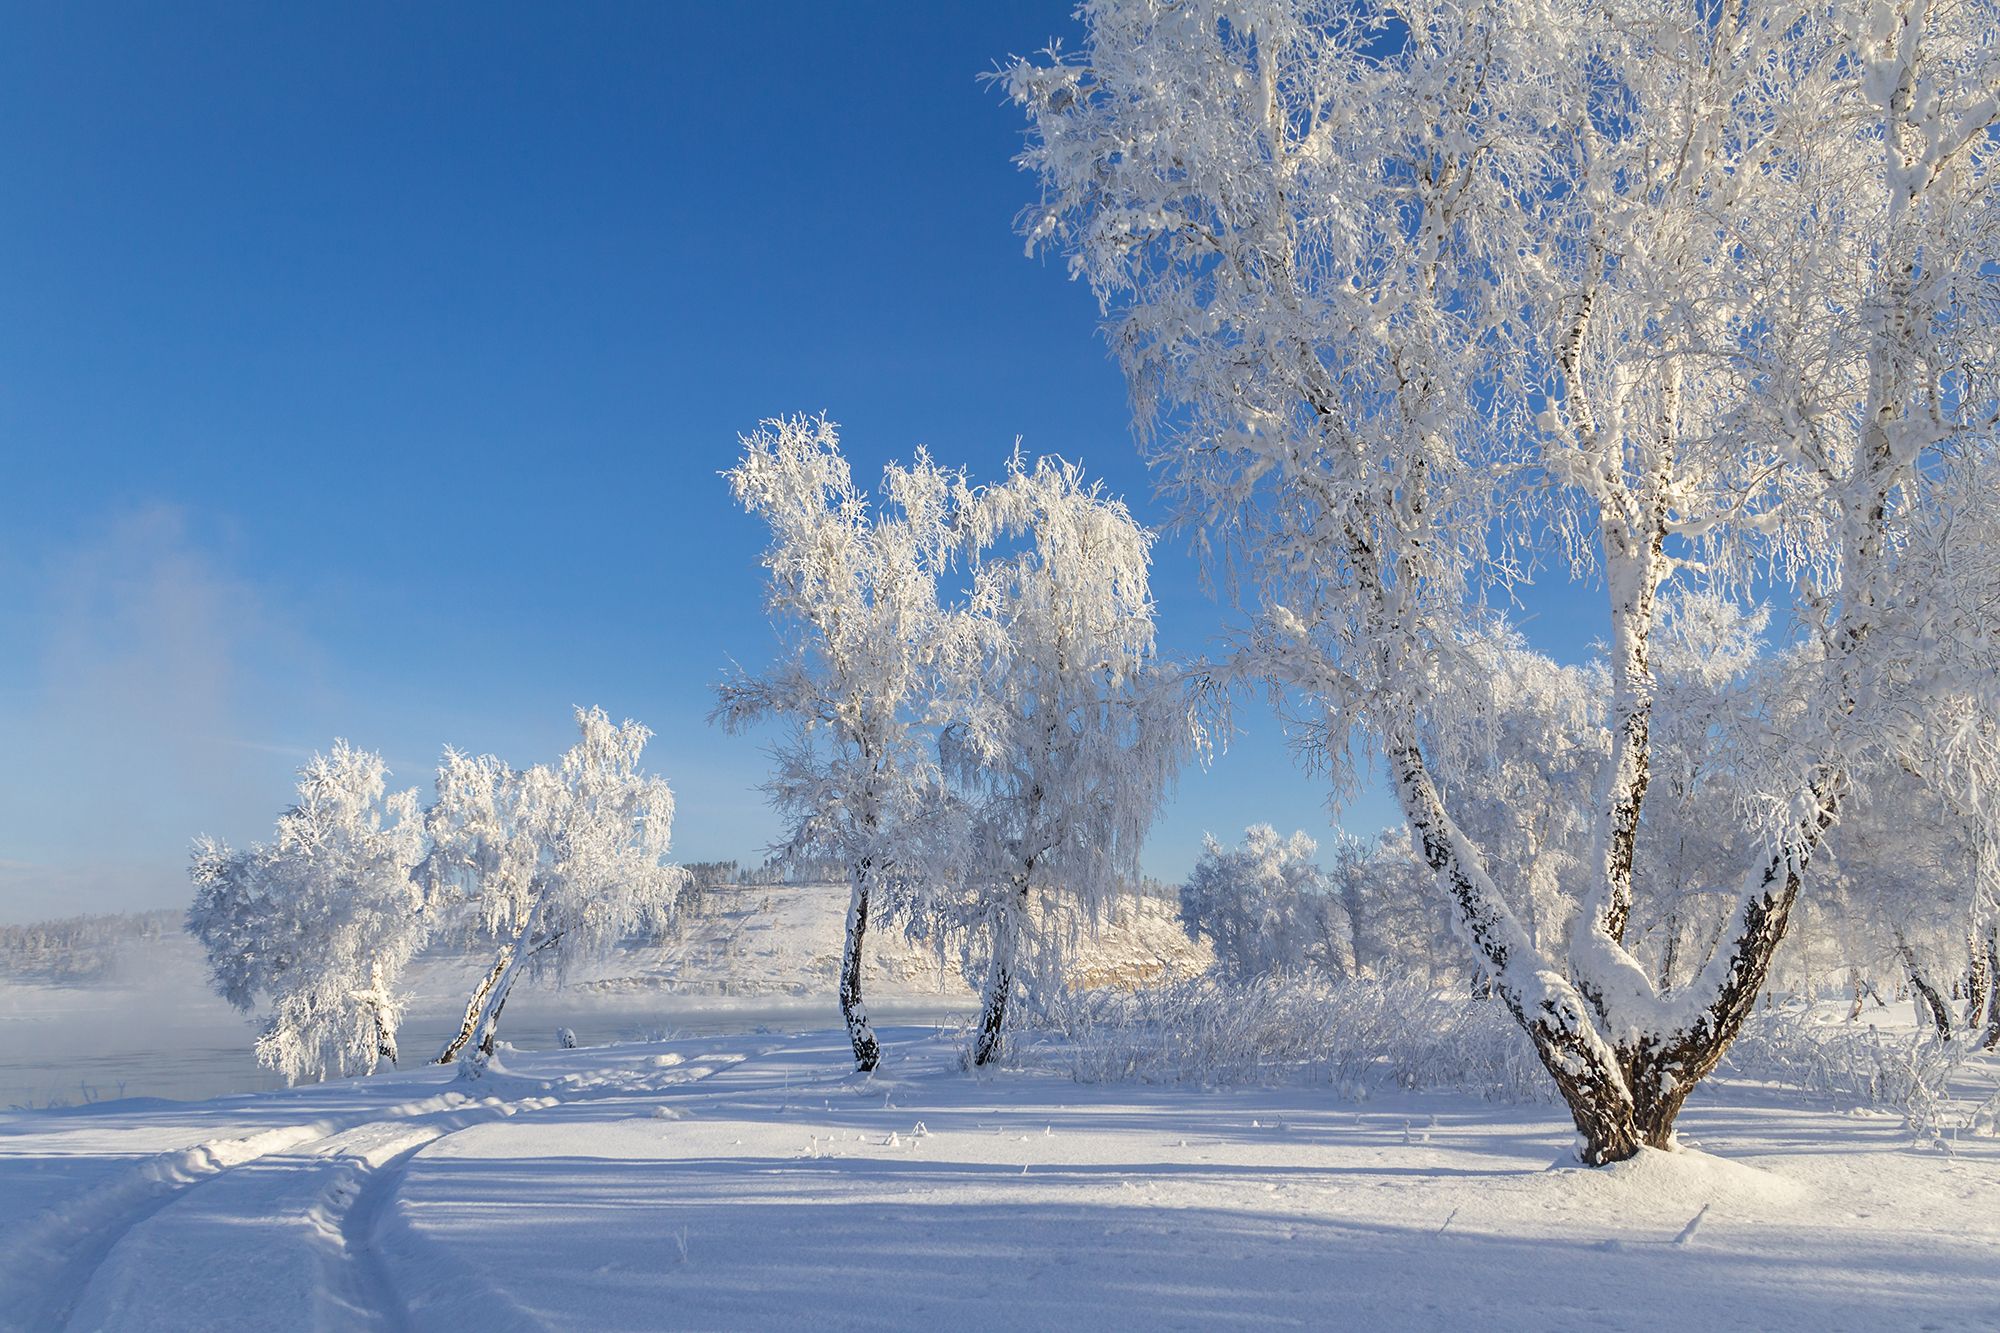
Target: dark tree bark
(1000,979)
(486,1028)
(1978,984)
(1928,999)
(1670,957)
(867,1051)
(473,1007)
(1992,1037)
(1623,1097)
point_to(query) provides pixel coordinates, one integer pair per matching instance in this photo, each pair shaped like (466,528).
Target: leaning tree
(1417,300)
(557,863)
(853,593)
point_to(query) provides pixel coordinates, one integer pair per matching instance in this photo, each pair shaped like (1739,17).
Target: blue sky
(366,371)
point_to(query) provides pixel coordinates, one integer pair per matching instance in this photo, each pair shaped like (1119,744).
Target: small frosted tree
(320,922)
(560,864)
(1265,906)
(1066,730)
(853,595)
(1413,300)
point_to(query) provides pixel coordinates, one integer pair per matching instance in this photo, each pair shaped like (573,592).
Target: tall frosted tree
(853,594)
(1066,729)
(319,923)
(558,863)
(1415,299)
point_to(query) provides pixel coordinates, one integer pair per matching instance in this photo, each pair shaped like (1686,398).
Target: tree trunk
(381,1016)
(999,979)
(474,1006)
(385,1038)
(1662,1077)
(485,1035)
(1992,1038)
(1548,1008)
(1670,957)
(866,1050)
(1977,983)
(1927,999)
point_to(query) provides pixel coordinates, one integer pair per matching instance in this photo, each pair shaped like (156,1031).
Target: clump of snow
(1664,1185)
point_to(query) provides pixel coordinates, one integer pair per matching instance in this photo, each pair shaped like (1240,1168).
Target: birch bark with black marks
(853,1009)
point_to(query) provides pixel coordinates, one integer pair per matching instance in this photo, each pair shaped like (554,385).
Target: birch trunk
(1992,1036)
(1929,1003)
(486,1028)
(867,1051)
(474,1007)
(1000,978)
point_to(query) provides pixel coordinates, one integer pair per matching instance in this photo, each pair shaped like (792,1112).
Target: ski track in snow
(148,1248)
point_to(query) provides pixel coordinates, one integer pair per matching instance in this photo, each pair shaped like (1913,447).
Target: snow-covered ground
(753,1181)
(740,1175)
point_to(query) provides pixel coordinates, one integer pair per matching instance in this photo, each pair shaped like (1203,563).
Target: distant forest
(79,948)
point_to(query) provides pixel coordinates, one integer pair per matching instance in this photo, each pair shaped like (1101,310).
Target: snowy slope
(753,1182)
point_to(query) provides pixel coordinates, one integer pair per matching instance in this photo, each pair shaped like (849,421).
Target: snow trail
(272,1227)
(45,1265)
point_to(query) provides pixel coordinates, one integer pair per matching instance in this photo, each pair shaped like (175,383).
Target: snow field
(753,1182)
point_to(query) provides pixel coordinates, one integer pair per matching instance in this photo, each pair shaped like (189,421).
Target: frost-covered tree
(1413,299)
(853,594)
(1909,883)
(1265,906)
(1066,730)
(559,864)
(319,923)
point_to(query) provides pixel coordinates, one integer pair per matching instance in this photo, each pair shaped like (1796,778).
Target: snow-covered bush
(320,922)
(1265,906)
(1929,1080)
(1358,1036)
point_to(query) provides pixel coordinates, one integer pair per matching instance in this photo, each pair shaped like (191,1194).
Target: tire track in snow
(333,1180)
(45,1267)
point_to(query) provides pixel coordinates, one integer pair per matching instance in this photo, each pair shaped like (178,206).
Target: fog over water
(153,1028)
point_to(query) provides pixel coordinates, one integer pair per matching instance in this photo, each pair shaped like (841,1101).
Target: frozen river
(166,1035)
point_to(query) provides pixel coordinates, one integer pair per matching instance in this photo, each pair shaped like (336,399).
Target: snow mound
(1670,1182)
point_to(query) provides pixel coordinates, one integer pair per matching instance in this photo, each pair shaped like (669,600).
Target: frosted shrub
(1926,1079)
(1358,1036)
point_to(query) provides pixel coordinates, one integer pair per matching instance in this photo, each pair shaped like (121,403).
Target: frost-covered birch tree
(1414,299)
(320,922)
(1266,907)
(559,864)
(1066,730)
(853,594)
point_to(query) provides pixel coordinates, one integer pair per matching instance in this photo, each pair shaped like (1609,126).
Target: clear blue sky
(365,370)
